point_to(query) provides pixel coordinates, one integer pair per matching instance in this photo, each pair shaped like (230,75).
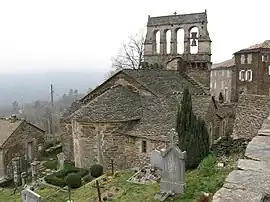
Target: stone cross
(16,170)
(30,196)
(61,160)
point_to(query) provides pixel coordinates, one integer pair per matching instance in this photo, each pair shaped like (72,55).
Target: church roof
(163,82)
(119,103)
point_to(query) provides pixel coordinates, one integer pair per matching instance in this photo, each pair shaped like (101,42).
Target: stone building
(18,138)
(127,116)
(253,70)
(222,80)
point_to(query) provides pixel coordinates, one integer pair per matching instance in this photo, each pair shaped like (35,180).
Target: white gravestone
(30,196)
(61,160)
(156,159)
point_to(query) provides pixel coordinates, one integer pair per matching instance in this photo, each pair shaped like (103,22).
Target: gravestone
(24,178)
(173,170)
(61,160)
(156,159)
(16,170)
(34,166)
(30,196)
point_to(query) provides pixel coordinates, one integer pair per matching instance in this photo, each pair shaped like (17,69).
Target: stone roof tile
(120,103)
(7,128)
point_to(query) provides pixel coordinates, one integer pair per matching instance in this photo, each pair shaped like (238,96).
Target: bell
(193,43)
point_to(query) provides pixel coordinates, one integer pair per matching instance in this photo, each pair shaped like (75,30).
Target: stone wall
(17,143)
(251,111)
(66,139)
(135,157)
(235,146)
(98,143)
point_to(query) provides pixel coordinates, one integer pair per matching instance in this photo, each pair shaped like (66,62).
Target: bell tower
(175,36)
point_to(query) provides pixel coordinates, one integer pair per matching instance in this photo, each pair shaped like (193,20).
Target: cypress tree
(192,132)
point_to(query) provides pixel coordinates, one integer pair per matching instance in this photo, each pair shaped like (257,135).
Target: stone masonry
(251,181)
(21,139)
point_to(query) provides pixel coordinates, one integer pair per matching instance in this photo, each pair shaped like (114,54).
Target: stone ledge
(251,165)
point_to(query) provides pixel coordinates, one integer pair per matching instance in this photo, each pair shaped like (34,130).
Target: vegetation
(206,178)
(192,131)
(96,170)
(58,178)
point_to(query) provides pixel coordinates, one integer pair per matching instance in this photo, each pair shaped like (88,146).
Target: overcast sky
(68,35)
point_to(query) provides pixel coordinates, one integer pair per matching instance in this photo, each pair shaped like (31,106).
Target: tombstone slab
(30,196)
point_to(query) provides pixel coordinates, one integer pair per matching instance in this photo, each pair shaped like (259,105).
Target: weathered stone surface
(259,148)
(265,129)
(251,112)
(248,180)
(257,166)
(228,195)
(251,183)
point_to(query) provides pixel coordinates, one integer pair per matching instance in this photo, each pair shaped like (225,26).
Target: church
(132,112)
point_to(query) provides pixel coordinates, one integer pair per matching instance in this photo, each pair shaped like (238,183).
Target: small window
(243,59)
(215,85)
(268,70)
(249,59)
(242,75)
(222,84)
(144,146)
(249,75)
(226,94)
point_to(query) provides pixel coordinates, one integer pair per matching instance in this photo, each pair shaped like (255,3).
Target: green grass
(207,178)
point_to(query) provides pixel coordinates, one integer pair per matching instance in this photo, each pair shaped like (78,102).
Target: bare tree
(130,55)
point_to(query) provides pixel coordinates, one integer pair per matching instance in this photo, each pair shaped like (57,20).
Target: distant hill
(26,88)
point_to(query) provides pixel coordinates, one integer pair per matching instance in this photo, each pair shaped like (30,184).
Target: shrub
(58,178)
(87,178)
(52,179)
(51,164)
(96,170)
(73,180)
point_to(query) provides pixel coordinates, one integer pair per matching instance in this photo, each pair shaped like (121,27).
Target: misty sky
(64,35)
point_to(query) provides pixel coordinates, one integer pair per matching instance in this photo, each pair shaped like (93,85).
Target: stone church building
(132,112)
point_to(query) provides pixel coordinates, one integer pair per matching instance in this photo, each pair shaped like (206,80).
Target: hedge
(58,178)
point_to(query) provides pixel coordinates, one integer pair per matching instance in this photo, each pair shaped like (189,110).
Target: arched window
(194,34)
(242,75)
(180,38)
(157,35)
(168,41)
(249,75)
